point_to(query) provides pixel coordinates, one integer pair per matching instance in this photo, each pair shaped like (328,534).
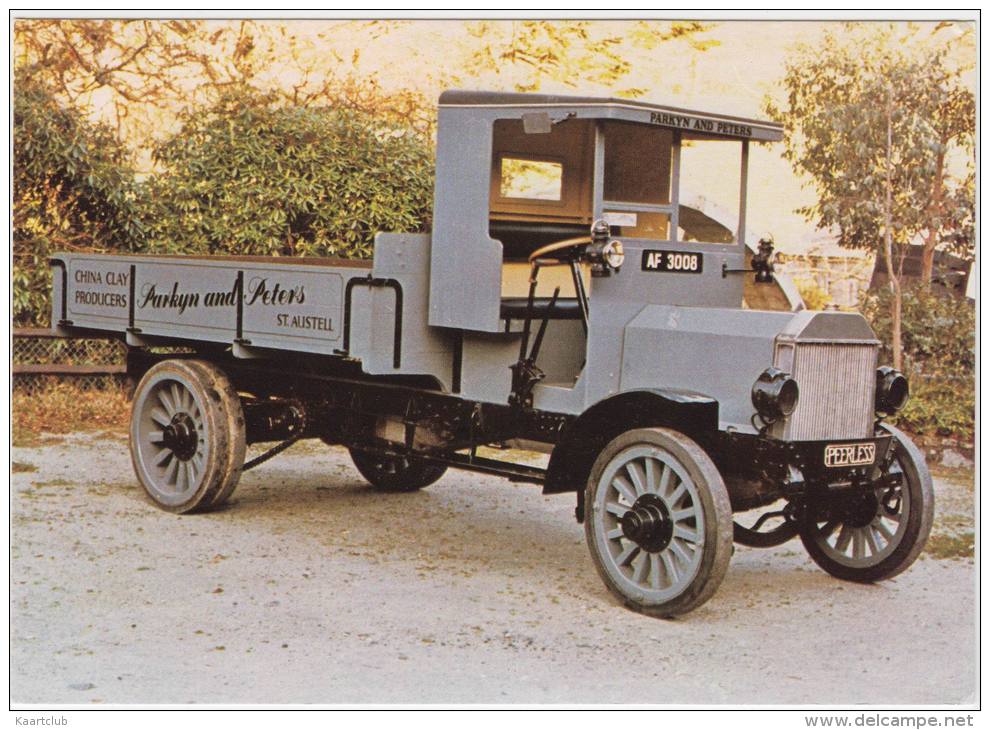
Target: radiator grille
(836,383)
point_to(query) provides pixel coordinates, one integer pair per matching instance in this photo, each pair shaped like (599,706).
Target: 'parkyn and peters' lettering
(697,124)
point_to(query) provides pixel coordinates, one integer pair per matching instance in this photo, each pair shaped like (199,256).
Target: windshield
(644,166)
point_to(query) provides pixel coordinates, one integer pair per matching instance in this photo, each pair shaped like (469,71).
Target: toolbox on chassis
(573,297)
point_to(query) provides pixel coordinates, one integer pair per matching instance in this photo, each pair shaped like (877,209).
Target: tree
(73,189)
(573,52)
(139,74)
(251,176)
(883,125)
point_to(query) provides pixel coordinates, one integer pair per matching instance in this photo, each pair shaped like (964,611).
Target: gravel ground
(312,588)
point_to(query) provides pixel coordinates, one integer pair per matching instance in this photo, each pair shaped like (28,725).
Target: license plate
(675,262)
(850,454)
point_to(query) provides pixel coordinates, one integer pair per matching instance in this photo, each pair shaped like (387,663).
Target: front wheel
(658,522)
(395,473)
(876,534)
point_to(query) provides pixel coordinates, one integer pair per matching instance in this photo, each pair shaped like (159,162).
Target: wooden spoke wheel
(186,435)
(876,534)
(658,521)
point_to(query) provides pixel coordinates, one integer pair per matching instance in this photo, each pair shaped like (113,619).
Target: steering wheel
(558,246)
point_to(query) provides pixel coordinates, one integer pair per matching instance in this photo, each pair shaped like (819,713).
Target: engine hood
(721,352)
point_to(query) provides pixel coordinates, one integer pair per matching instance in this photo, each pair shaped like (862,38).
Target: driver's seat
(519,239)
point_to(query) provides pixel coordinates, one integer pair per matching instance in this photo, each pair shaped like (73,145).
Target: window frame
(600,204)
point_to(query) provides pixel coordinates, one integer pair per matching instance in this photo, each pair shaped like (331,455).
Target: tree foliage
(573,52)
(249,176)
(876,123)
(834,115)
(144,72)
(73,189)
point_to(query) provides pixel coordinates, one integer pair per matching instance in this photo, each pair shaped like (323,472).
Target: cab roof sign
(589,107)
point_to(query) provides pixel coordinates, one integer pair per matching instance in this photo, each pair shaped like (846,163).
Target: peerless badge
(850,454)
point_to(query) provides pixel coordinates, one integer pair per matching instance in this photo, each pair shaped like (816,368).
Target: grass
(21,467)
(58,482)
(64,408)
(951,547)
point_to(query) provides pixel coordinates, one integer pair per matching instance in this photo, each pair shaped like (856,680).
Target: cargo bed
(257,301)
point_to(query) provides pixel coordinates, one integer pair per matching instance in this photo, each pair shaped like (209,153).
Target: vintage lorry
(570,299)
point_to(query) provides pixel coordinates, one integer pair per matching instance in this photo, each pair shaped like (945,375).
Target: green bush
(245,176)
(940,405)
(73,189)
(250,177)
(939,339)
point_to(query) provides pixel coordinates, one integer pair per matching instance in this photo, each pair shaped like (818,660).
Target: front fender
(694,414)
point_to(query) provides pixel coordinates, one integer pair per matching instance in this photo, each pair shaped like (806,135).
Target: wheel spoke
(616,509)
(871,541)
(161,456)
(859,544)
(170,470)
(678,493)
(166,401)
(882,529)
(627,555)
(679,551)
(682,514)
(177,397)
(651,475)
(655,571)
(614,534)
(160,417)
(632,469)
(828,529)
(686,534)
(624,488)
(665,477)
(156,437)
(845,535)
(668,563)
(639,571)
(180,477)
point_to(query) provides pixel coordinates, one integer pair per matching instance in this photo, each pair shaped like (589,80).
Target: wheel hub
(861,510)
(180,436)
(648,523)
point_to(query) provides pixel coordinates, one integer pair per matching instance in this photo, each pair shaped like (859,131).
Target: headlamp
(775,395)
(892,391)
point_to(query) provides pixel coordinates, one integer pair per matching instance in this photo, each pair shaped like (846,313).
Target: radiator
(836,383)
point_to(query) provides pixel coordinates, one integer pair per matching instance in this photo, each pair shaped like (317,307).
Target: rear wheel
(395,473)
(230,403)
(187,447)
(876,534)
(658,522)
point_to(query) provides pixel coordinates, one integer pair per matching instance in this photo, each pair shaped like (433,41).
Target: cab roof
(687,120)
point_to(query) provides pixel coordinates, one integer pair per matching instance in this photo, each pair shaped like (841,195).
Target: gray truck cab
(589,290)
